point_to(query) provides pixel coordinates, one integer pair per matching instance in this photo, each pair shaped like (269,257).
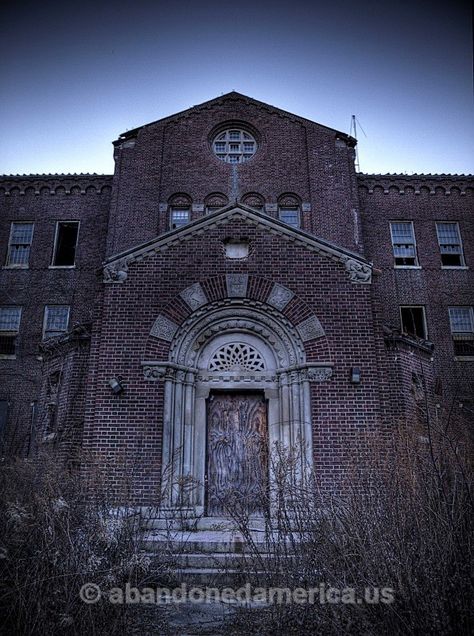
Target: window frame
(45,320)
(10,245)
(425,322)
(235,145)
(55,244)
(417,261)
(179,208)
(462,264)
(462,336)
(295,208)
(11,332)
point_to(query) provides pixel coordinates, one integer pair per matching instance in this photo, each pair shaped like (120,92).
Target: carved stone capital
(155,372)
(166,370)
(318,374)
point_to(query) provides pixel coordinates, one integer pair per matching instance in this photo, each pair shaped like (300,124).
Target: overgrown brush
(54,538)
(402,521)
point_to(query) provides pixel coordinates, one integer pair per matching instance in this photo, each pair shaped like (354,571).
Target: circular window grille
(234,145)
(236,356)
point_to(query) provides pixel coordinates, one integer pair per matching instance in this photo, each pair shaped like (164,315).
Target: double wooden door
(237,462)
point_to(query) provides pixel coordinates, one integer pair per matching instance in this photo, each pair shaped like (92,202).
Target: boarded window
(289,215)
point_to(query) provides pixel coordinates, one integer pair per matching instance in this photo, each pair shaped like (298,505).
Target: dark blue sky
(76,75)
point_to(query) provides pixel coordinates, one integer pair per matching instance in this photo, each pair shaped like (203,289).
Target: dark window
(9,326)
(413,321)
(66,242)
(7,344)
(3,418)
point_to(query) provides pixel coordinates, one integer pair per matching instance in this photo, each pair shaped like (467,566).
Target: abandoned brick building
(233,287)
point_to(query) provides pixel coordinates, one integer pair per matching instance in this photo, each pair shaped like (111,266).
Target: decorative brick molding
(237,285)
(279,297)
(310,329)
(164,328)
(52,184)
(444,184)
(194,296)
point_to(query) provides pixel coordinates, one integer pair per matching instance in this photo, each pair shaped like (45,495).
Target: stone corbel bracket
(358,272)
(116,272)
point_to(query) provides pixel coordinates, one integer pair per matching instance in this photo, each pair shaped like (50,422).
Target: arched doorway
(236,387)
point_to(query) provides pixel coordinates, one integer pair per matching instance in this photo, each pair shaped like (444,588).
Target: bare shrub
(53,539)
(401,521)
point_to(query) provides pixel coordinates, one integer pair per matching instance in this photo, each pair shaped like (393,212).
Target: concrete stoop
(210,558)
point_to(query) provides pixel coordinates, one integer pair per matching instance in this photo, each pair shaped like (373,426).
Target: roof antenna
(353,133)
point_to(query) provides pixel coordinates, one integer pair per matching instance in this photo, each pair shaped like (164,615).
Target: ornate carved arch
(233,344)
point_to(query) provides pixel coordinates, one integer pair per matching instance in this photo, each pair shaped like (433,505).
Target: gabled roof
(233,95)
(116,267)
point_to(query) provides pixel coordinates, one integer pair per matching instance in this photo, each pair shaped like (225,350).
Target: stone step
(255,523)
(209,557)
(219,560)
(201,541)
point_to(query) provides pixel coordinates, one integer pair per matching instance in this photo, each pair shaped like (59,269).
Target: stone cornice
(400,183)
(69,340)
(394,340)
(54,183)
(357,267)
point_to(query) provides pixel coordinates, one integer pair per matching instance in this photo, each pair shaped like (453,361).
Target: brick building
(234,287)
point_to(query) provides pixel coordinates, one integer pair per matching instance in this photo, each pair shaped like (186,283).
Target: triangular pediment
(233,96)
(116,267)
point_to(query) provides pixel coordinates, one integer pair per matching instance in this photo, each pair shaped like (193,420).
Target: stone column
(168,436)
(285,424)
(188,434)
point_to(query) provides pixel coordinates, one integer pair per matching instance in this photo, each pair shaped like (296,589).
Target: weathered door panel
(236,453)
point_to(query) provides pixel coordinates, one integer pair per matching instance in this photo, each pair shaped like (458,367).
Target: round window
(234,145)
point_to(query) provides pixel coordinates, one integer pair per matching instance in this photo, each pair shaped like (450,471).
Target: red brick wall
(424,201)
(128,428)
(44,201)
(174,156)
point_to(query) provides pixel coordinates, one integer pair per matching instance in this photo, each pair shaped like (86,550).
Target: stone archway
(237,346)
